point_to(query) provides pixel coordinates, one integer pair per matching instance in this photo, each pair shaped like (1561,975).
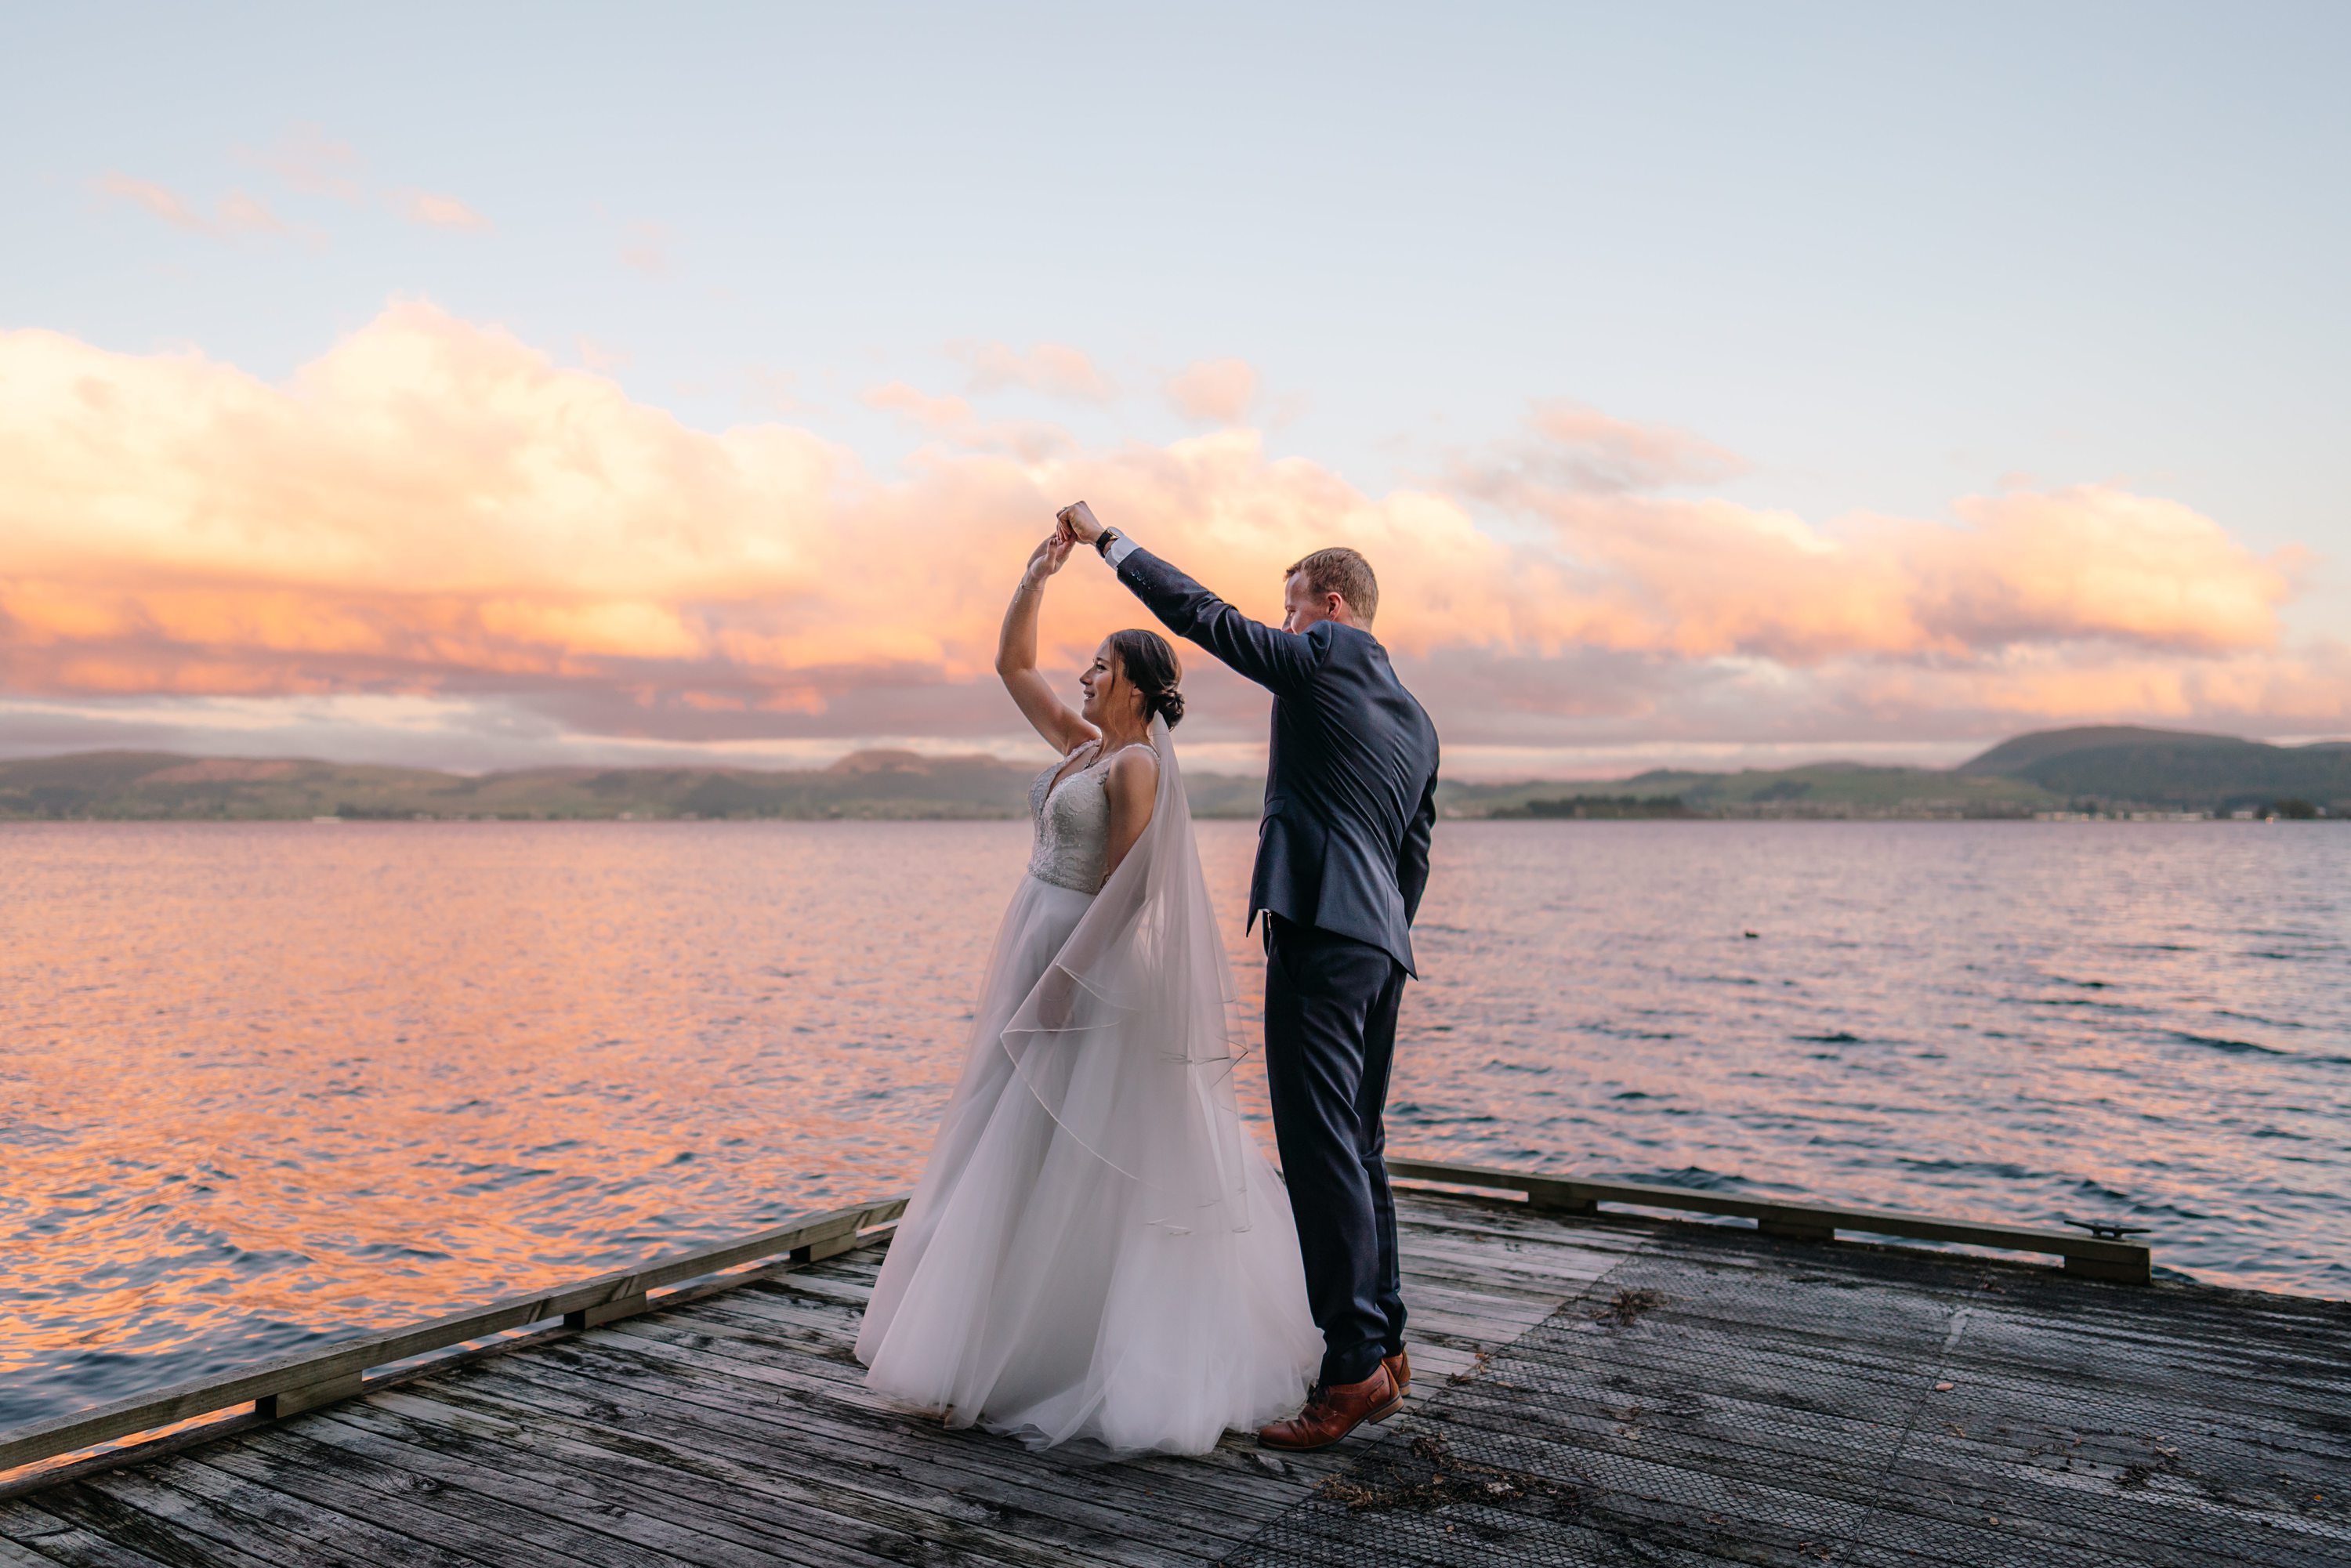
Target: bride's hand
(1049,557)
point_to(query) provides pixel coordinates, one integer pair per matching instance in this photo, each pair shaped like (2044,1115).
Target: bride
(1097,1247)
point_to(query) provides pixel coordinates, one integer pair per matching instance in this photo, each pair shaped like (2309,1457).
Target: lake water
(261,1083)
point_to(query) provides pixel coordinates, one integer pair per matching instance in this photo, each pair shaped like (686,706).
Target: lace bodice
(1072,822)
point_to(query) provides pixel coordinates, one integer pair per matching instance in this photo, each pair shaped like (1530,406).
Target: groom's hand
(1079,524)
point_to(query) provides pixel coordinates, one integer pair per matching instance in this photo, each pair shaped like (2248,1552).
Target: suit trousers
(1330,1035)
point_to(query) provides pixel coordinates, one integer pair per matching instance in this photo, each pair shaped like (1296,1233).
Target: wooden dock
(1592,1387)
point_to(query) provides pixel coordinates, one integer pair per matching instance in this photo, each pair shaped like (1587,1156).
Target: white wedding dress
(1097,1246)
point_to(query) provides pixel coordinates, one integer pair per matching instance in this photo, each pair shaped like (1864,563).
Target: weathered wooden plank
(640,1357)
(56,1540)
(306,1369)
(1839,1461)
(472,1526)
(819,1386)
(673,1356)
(779,1500)
(2121,1260)
(882,1465)
(848,1410)
(1529,1263)
(528,1478)
(741,1349)
(199,1533)
(1466,1536)
(1697,1339)
(817,1363)
(15,1556)
(327,1536)
(2020,1525)
(2063,1352)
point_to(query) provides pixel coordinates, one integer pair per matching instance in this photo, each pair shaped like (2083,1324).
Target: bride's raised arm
(1016,654)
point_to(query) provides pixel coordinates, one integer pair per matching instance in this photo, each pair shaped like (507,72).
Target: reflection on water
(260,1083)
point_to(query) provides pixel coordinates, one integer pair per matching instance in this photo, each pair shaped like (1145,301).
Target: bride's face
(1108,691)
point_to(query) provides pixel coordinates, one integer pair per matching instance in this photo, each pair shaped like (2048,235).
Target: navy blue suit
(1341,860)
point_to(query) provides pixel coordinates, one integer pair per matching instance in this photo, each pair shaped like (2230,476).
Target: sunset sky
(1723,385)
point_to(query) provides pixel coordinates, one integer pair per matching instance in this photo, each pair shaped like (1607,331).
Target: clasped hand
(1078,524)
(1072,526)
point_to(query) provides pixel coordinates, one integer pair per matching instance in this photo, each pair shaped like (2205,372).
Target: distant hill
(2110,769)
(2176,768)
(866,784)
(2107,769)
(2019,753)
(1824,790)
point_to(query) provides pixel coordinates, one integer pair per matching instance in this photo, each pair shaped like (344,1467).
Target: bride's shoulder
(1133,764)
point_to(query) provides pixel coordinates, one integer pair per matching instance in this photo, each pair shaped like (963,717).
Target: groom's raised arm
(1282,661)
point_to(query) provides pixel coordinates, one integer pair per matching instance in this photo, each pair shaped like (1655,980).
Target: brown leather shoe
(1333,1411)
(1399,1367)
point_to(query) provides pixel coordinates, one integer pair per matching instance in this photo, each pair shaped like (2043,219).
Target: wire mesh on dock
(1757,1402)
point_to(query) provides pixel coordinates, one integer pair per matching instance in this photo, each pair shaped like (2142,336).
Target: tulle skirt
(1036,1289)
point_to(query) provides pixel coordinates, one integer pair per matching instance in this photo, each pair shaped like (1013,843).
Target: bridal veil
(1097,1246)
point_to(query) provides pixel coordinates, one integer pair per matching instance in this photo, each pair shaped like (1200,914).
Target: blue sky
(1887,256)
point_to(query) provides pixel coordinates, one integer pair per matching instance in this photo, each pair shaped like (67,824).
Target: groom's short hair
(1341,572)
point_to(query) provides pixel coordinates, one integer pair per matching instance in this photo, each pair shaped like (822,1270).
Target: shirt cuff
(1120,549)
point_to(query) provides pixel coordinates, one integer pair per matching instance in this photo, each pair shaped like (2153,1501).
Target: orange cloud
(1214,391)
(434,506)
(1713,578)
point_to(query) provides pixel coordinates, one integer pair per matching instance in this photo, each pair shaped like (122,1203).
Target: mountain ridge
(2092,768)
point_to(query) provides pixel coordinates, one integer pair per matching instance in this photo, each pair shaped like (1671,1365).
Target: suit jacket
(1351,782)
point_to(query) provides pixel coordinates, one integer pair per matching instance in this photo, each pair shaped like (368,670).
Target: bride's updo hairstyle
(1149,664)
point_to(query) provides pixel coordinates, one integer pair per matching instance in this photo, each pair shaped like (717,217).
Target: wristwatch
(1103,542)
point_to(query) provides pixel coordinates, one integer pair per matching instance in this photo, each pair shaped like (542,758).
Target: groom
(1341,857)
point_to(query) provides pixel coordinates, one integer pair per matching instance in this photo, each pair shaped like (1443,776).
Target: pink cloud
(236,213)
(1712,577)
(158,200)
(1053,368)
(645,249)
(312,163)
(240,212)
(433,507)
(429,209)
(1567,447)
(1214,391)
(932,415)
